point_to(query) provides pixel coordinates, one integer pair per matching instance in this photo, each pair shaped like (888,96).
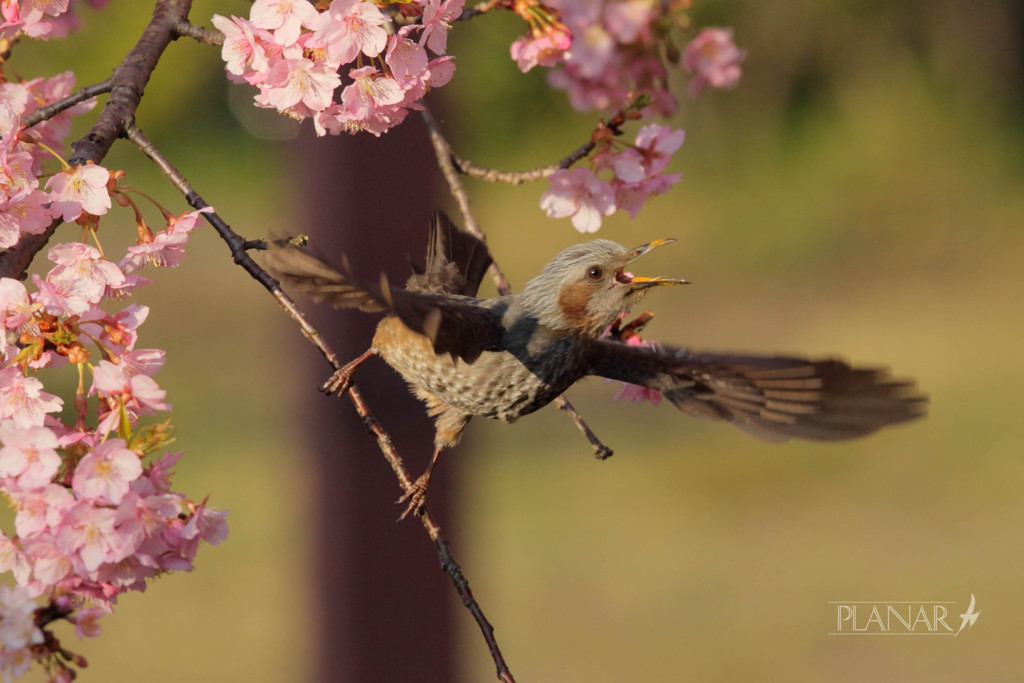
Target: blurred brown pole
(384,610)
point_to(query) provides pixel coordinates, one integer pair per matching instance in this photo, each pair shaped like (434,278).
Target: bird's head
(586,287)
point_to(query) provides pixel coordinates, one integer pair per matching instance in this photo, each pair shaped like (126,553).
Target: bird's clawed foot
(416,496)
(339,382)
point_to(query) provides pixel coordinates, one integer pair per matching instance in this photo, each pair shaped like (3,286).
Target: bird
(510,355)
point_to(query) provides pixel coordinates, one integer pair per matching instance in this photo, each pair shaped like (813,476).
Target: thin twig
(446,161)
(238,247)
(448,563)
(601,452)
(481,8)
(443,152)
(187,29)
(51,110)
(491,175)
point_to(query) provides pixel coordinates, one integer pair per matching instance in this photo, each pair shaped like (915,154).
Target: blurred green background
(860,193)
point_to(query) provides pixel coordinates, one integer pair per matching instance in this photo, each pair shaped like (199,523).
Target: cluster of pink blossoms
(635,172)
(95,515)
(608,54)
(294,54)
(40,18)
(713,59)
(24,206)
(611,51)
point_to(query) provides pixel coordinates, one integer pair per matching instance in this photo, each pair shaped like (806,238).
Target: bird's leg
(339,382)
(417,494)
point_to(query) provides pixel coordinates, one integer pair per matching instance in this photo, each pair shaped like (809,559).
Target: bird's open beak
(639,282)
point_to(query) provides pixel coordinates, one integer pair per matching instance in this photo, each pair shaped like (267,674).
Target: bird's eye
(594,272)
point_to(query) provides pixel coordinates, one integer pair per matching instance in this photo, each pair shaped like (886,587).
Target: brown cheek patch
(573,300)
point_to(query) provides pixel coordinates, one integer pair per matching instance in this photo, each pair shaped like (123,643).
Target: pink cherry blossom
(83,188)
(28,454)
(439,71)
(13,559)
(70,297)
(284,17)
(244,49)
(437,18)
(167,249)
(40,510)
(89,533)
(627,165)
(632,196)
(17,626)
(629,21)
(370,90)
(142,362)
(542,50)
(15,306)
(119,329)
(83,266)
(594,50)
(49,563)
(714,60)
(206,524)
(87,621)
(580,194)
(159,473)
(350,27)
(298,87)
(406,57)
(658,144)
(143,517)
(45,91)
(23,212)
(106,472)
(17,168)
(23,399)
(138,394)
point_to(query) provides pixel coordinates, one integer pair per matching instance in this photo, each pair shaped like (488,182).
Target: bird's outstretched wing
(320,282)
(454,324)
(771,397)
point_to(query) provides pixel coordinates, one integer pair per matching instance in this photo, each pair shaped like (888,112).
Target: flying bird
(507,356)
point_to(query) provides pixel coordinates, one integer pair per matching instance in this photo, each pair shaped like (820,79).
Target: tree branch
(186,29)
(238,247)
(130,79)
(48,112)
(491,175)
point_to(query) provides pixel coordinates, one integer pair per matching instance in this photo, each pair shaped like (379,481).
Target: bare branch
(186,29)
(130,79)
(491,175)
(480,8)
(238,247)
(443,152)
(49,111)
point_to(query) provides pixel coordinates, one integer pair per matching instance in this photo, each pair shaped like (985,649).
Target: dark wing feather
(771,397)
(454,324)
(456,261)
(319,281)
